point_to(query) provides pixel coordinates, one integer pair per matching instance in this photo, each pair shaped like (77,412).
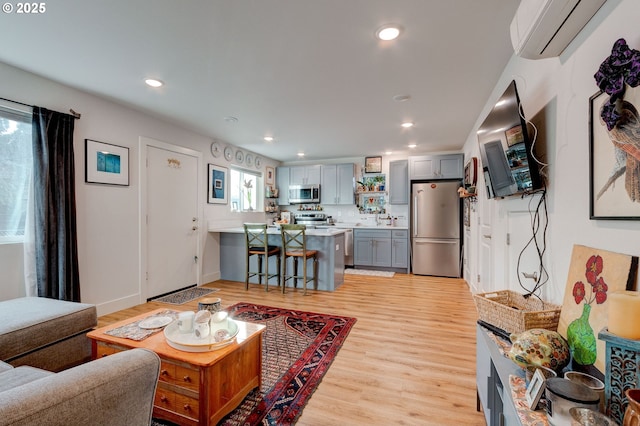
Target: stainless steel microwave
(301,194)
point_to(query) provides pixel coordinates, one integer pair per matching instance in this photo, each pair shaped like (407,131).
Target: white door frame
(143,143)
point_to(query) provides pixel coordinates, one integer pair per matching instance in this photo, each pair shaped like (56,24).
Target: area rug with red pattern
(298,348)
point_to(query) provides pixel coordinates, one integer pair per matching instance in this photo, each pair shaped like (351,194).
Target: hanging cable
(539,215)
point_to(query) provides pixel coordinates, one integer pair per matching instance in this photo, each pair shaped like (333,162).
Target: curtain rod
(76,115)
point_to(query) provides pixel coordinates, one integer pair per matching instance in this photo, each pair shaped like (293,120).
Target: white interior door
(172,219)
(485,243)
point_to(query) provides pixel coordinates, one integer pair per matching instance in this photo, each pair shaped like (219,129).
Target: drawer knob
(164,373)
(187,407)
(187,379)
(163,398)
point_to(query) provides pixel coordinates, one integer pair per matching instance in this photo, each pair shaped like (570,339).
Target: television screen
(508,165)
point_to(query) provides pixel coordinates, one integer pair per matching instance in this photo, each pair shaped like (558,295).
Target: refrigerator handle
(415,216)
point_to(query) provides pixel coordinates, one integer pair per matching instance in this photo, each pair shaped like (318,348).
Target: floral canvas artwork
(593,275)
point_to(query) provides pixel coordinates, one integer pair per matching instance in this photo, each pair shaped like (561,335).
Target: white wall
(559,89)
(108,216)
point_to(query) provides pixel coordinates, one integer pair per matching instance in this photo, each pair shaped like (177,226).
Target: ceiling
(307,72)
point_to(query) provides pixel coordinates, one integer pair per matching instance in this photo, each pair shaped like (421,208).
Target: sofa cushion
(19,376)
(30,323)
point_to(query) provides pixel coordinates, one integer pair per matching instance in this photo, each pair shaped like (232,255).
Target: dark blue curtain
(57,273)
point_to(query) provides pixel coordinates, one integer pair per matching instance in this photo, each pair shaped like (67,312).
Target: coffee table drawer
(103,349)
(177,403)
(179,375)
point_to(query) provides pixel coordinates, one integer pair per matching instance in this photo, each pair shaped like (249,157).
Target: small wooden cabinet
(338,184)
(194,388)
(622,372)
(448,166)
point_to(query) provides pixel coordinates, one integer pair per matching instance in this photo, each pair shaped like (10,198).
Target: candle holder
(622,372)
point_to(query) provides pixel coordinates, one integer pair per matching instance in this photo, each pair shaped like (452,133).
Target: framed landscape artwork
(106,163)
(217,185)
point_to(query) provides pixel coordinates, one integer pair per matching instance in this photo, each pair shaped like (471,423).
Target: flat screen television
(508,165)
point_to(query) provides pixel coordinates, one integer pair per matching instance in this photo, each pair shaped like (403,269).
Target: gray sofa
(45,333)
(112,391)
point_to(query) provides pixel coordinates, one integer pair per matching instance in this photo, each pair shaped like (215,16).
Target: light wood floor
(409,359)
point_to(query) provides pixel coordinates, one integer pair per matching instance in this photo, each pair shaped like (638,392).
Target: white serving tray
(188,342)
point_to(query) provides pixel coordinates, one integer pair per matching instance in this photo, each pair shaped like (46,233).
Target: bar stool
(258,245)
(294,244)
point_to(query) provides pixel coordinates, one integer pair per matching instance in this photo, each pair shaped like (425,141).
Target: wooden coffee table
(195,388)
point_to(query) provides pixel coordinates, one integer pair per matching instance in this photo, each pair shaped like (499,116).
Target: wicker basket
(511,312)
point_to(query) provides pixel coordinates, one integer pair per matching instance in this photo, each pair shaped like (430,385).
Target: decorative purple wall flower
(622,67)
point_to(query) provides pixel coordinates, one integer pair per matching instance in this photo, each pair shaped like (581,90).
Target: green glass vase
(581,339)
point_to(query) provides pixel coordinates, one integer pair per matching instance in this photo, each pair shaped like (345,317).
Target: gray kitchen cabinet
(449,166)
(304,175)
(400,249)
(398,183)
(372,247)
(282,183)
(338,184)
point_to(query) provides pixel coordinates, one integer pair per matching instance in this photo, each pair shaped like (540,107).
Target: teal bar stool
(294,245)
(257,241)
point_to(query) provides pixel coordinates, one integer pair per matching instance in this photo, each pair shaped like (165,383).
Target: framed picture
(614,164)
(514,135)
(535,390)
(217,185)
(269,178)
(106,163)
(373,164)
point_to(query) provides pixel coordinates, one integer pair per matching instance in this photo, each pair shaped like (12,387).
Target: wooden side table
(622,371)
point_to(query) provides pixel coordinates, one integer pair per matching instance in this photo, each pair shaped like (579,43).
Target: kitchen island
(328,242)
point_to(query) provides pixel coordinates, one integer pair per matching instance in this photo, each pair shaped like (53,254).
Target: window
(245,190)
(15,172)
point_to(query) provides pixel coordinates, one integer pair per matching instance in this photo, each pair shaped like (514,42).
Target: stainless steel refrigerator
(435,228)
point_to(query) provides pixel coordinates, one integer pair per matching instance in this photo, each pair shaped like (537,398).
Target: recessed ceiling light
(407,124)
(268,138)
(230,119)
(388,152)
(412,145)
(153,82)
(401,98)
(301,154)
(388,32)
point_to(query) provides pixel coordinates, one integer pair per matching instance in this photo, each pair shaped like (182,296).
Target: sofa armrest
(115,390)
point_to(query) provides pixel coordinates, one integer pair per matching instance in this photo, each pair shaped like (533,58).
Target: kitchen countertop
(365,226)
(272,230)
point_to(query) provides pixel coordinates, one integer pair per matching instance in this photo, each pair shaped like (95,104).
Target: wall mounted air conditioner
(544,28)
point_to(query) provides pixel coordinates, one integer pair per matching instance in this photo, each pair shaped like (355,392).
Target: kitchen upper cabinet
(338,182)
(398,183)
(448,166)
(282,183)
(304,175)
